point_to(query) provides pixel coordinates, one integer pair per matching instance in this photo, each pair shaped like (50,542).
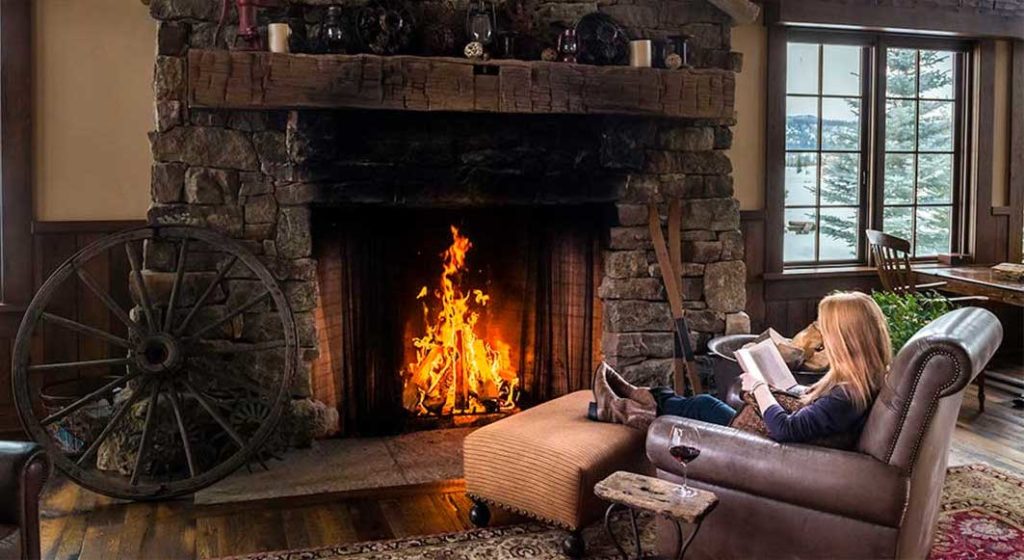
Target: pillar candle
(640,53)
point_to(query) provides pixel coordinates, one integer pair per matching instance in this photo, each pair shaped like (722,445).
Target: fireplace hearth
(353,210)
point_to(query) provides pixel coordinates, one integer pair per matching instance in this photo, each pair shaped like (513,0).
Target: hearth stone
(255,175)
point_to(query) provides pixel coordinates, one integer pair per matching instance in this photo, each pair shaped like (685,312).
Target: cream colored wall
(93,107)
(747,153)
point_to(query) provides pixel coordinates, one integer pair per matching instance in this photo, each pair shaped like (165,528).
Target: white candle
(277,35)
(640,53)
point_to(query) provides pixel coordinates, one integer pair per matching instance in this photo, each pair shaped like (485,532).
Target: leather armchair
(24,470)
(878,501)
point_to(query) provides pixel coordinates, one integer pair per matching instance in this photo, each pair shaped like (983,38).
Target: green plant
(908,313)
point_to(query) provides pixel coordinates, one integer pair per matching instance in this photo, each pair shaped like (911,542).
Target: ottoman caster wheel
(480,514)
(573,545)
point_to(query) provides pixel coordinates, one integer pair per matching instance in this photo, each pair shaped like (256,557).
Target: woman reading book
(856,340)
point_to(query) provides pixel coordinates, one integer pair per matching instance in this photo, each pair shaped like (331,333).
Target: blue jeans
(701,407)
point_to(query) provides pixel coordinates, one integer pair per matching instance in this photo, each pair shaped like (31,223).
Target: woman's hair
(856,340)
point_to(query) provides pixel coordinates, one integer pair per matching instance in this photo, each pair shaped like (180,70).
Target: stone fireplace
(353,210)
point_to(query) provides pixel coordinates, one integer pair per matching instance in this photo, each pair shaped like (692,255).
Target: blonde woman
(856,340)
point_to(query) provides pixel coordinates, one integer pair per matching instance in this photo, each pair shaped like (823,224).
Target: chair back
(910,426)
(892,259)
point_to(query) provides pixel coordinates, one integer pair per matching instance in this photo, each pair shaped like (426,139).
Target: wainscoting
(52,244)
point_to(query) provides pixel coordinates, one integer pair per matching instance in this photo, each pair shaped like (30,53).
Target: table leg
(679,532)
(611,534)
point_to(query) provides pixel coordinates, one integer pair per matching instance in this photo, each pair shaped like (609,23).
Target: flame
(457,371)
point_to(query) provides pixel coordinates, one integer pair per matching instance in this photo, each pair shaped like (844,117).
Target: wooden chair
(892,259)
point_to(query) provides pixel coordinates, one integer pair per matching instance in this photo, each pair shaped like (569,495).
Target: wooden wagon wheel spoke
(200,350)
(71,408)
(114,420)
(205,403)
(85,329)
(221,273)
(116,455)
(172,393)
(147,430)
(79,364)
(109,302)
(179,274)
(140,284)
(231,315)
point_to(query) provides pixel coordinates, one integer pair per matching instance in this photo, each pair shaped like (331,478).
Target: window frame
(16,109)
(872,151)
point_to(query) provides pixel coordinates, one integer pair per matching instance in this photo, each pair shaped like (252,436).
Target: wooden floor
(78,524)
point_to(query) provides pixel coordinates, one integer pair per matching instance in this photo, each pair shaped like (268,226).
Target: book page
(764,361)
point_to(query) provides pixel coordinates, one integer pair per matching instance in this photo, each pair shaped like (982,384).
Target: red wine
(684,453)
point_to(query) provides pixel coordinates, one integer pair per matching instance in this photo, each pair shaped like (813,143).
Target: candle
(277,35)
(640,53)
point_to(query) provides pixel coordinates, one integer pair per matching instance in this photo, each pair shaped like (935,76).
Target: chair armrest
(839,482)
(24,469)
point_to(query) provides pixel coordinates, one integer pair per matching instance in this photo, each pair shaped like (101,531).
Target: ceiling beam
(742,12)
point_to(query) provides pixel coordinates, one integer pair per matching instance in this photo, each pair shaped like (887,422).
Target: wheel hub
(158,354)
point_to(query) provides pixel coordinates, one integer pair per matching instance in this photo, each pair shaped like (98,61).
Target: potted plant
(908,313)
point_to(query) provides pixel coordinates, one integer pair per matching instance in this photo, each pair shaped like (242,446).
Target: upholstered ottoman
(544,462)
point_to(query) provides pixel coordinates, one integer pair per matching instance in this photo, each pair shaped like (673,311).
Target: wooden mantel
(262,80)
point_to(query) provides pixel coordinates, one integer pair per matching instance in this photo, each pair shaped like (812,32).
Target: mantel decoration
(385,27)
(602,40)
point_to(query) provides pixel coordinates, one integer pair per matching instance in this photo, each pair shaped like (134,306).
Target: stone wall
(255,175)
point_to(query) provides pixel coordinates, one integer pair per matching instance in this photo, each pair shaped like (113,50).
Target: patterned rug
(982,518)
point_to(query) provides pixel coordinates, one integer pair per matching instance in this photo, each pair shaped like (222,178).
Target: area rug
(982,518)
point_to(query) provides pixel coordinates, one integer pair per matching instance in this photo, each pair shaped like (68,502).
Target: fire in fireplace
(457,370)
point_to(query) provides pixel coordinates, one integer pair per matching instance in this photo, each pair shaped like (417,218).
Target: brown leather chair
(24,470)
(878,501)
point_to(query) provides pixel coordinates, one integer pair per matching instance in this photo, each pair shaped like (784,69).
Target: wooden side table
(660,497)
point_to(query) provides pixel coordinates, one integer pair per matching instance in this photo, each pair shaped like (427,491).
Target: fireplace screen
(431,318)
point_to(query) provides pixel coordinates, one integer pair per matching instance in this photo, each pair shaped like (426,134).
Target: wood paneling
(52,243)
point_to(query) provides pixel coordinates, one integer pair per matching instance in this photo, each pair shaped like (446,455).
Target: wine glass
(685,447)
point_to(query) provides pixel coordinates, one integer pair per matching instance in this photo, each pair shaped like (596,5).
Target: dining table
(974,280)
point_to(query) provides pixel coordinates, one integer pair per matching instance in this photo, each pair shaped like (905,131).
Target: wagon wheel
(204,336)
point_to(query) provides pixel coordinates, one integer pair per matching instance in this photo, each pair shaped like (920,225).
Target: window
(872,138)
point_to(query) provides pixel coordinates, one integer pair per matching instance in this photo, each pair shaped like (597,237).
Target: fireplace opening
(433,317)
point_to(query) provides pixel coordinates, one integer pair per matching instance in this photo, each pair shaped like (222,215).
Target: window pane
(935,178)
(901,73)
(896,221)
(841,68)
(936,126)
(802,68)
(798,241)
(840,124)
(801,123)
(936,75)
(899,178)
(900,124)
(839,232)
(801,179)
(840,184)
(933,231)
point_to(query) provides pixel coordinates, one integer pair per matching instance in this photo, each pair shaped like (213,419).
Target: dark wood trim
(775,142)
(1016,153)
(90,226)
(870,16)
(15,150)
(985,246)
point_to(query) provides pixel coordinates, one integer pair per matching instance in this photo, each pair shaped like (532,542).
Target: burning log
(456,370)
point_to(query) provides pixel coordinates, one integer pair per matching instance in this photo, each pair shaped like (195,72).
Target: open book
(763,360)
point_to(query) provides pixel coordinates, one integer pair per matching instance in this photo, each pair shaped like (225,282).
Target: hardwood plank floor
(78,524)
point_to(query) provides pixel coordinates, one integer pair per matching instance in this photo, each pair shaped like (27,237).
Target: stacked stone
(254,176)
(683,161)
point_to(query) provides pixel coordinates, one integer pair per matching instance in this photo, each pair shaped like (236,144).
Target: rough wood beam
(742,12)
(248,80)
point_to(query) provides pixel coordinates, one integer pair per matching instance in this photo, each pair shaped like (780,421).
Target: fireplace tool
(248,28)
(670,260)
